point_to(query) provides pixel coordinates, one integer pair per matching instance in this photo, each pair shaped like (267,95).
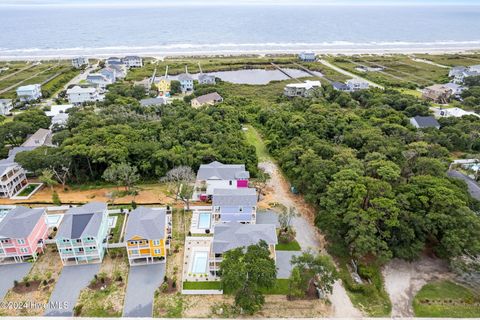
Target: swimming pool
(199,263)
(53,220)
(204,220)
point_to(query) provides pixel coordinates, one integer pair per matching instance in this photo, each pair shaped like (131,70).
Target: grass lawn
(291,246)
(28,189)
(253,138)
(281,287)
(202,285)
(446,299)
(118,227)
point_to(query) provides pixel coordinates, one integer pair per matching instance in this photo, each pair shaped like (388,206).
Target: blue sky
(228,2)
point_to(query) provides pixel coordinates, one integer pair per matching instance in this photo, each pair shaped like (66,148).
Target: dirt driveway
(404,279)
(308,236)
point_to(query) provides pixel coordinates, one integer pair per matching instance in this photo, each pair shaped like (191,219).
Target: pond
(255,76)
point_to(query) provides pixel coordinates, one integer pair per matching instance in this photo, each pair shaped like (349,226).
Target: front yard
(105,295)
(37,286)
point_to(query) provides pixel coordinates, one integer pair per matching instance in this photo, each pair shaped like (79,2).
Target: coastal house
(80,62)
(204,78)
(340,86)
(60,120)
(236,235)
(186,82)
(78,95)
(424,122)
(234,205)
(305,89)
(207,99)
(148,234)
(109,73)
(40,138)
(307,56)
(133,61)
(29,93)
(217,175)
(153,101)
(120,70)
(57,109)
(114,61)
(457,89)
(357,84)
(369,69)
(23,232)
(6,106)
(438,93)
(456,71)
(460,73)
(82,234)
(452,112)
(164,86)
(12,177)
(99,80)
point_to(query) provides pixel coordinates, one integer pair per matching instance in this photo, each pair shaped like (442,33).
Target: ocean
(69,31)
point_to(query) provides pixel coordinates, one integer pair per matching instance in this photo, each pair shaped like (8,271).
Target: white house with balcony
(78,95)
(305,89)
(29,93)
(234,205)
(12,177)
(6,106)
(133,61)
(357,84)
(80,62)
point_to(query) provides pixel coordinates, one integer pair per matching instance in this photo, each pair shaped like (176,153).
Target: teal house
(82,235)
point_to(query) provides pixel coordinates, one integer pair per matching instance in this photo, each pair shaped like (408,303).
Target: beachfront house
(236,235)
(78,95)
(109,73)
(6,106)
(424,122)
(120,70)
(148,234)
(234,205)
(305,89)
(153,101)
(133,61)
(79,62)
(217,175)
(460,73)
(210,99)
(82,235)
(307,57)
(23,232)
(186,82)
(29,93)
(113,61)
(437,93)
(204,78)
(357,84)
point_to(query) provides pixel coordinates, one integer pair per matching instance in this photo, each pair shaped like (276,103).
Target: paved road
(284,267)
(142,283)
(72,280)
(10,273)
(348,74)
(473,187)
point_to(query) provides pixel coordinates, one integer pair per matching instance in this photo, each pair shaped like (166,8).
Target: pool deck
(192,245)
(194,227)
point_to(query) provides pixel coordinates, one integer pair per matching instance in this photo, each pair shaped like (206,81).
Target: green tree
(122,174)
(245,271)
(48,179)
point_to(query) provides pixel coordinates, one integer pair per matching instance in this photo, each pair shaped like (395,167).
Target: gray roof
(235,197)
(6,101)
(219,171)
(185,77)
(339,85)
(39,138)
(236,235)
(426,122)
(14,151)
(6,164)
(148,223)
(82,221)
(20,222)
(152,102)
(204,76)
(210,97)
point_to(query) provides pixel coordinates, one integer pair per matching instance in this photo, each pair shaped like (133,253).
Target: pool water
(200,261)
(204,220)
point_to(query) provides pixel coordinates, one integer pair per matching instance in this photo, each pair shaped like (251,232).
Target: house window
(65,240)
(157,251)
(79,240)
(23,250)
(21,241)
(156,242)
(4,241)
(230,182)
(240,209)
(134,251)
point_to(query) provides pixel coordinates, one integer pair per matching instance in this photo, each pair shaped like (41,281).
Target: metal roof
(82,221)
(219,171)
(235,197)
(20,222)
(148,223)
(236,235)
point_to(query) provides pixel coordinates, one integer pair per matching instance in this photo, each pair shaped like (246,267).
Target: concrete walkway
(348,74)
(142,283)
(72,280)
(10,273)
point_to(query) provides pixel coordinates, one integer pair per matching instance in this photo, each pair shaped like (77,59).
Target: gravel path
(348,74)
(307,235)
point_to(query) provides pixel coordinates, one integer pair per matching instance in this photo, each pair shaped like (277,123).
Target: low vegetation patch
(290,246)
(202,285)
(446,299)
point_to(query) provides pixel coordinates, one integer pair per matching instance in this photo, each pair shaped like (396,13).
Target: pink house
(23,232)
